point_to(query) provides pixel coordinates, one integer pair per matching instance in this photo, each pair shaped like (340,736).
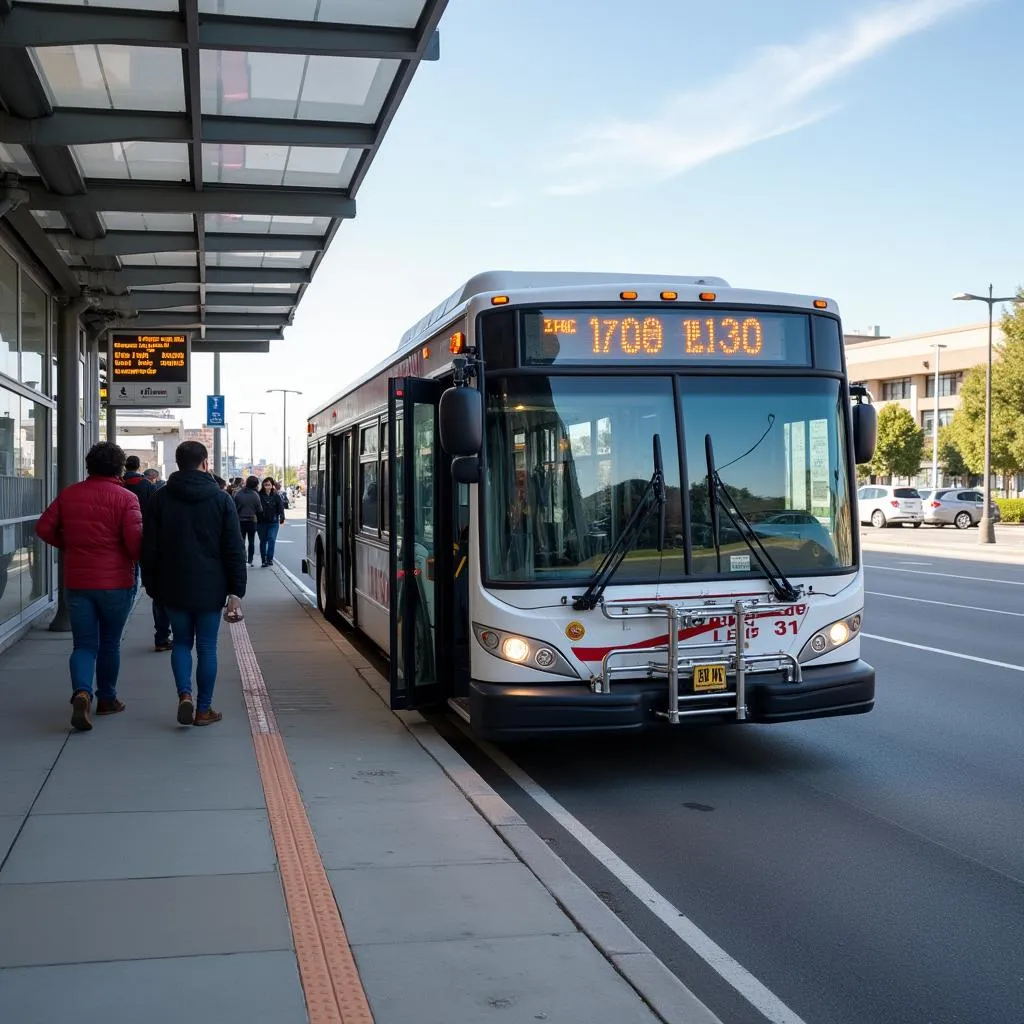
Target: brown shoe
(109,707)
(207,717)
(186,709)
(168,646)
(80,703)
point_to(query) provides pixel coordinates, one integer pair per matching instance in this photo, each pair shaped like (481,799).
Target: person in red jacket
(98,525)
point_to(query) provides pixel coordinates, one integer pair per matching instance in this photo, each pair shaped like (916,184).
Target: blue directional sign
(215,410)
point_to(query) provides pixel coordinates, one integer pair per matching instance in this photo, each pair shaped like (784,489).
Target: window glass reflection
(24,562)
(780,449)
(8,315)
(568,459)
(33,335)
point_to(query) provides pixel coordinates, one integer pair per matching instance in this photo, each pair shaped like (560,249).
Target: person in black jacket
(193,563)
(143,489)
(247,503)
(271,519)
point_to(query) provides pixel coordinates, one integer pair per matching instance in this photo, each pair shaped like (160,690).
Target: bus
(575,502)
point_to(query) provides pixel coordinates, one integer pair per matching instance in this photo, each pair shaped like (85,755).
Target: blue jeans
(268,539)
(201,629)
(98,619)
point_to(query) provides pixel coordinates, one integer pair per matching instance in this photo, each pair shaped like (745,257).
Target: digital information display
(149,370)
(698,336)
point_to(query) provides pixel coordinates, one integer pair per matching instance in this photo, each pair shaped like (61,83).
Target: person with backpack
(97,524)
(193,563)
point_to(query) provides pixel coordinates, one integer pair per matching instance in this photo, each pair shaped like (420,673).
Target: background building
(902,371)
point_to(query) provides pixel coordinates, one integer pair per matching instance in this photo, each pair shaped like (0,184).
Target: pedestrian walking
(193,562)
(271,519)
(249,507)
(143,488)
(153,476)
(97,523)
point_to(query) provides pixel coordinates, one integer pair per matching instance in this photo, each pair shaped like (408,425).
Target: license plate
(708,678)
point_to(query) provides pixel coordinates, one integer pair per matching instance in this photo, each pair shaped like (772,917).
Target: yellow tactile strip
(330,980)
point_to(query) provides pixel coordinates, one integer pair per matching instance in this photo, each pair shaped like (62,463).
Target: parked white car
(889,506)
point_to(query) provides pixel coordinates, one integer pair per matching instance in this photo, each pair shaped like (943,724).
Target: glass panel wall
(8,315)
(34,363)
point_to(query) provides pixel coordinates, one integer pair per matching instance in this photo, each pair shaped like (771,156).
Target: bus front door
(417,515)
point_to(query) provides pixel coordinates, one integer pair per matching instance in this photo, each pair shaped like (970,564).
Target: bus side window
(369,496)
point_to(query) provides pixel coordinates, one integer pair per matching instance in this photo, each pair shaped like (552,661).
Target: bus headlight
(523,650)
(834,635)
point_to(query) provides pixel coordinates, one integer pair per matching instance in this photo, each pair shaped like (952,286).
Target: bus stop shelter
(185,164)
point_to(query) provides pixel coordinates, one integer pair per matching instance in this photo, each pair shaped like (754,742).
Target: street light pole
(935,422)
(285,392)
(252,458)
(986,528)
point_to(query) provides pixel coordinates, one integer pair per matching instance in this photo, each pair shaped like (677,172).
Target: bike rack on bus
(731,654)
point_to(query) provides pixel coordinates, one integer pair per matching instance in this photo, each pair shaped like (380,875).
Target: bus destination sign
(734,337)
(149,369)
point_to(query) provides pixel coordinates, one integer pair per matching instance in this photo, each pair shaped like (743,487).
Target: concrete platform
(139,879)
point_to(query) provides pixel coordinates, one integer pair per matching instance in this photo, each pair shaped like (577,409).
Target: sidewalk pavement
(139,879)
(948,543)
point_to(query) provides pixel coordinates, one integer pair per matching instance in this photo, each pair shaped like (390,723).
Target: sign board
(149,369)
(215,410)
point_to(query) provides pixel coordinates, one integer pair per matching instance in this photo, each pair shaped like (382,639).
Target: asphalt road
(866,870)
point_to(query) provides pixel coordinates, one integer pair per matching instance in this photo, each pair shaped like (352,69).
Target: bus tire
(323,599)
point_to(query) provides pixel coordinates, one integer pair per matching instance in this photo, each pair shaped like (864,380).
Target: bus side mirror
(865,432)
(466,469)
(461,420)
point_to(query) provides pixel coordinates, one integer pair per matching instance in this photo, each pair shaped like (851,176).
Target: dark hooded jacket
(140,487)
(192,552)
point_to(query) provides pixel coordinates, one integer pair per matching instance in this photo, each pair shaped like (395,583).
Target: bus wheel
(322,599)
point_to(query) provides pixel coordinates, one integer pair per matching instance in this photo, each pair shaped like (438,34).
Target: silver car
(888,506)
(962,508)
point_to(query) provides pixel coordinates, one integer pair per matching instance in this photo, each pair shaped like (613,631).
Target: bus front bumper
(502,712)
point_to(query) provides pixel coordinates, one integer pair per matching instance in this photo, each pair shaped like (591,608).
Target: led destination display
(149,358)
(679,336)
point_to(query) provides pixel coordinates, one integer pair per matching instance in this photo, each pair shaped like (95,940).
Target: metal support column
(69,459)
(217,467)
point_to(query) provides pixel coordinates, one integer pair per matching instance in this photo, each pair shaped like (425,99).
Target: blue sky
(858,149)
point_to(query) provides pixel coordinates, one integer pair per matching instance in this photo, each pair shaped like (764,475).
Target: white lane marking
(279,541)
(948,654)
(945,604)
(309,595)
(903,561)
(948,575)
(760,997)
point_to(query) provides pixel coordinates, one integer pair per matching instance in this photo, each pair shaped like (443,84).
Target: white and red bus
(576,502)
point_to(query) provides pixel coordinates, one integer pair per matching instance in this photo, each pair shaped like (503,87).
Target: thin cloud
(777,92)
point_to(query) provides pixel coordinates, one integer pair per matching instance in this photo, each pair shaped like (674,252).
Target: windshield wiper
(652,498)
(719,497)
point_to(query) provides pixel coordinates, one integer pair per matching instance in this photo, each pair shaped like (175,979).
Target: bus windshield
(568,458)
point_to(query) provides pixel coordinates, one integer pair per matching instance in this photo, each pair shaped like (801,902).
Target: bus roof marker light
(499,300)
(669,296)
(628,296)
(707,296)
(426,351)
(821,303)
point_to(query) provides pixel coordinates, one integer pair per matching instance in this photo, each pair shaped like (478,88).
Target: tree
(900,446)
(967,430)
(950,457)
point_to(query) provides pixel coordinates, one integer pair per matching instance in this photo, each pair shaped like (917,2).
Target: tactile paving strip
(330,980)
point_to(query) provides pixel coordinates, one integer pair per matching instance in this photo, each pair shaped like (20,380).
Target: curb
(670,1000)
